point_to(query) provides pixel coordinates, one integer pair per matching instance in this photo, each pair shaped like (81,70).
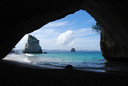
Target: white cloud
(91,20)
(84,32)
(45,33)
(67,33)
(83,38)
(66,39)
(64,35)
(88,43)
(56,24)
(86,39)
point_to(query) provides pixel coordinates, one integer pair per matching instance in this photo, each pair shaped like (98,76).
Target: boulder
(32,45)
(45,53)
(73,50)
(69,67)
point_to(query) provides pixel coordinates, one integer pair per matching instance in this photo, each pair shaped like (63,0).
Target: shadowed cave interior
(110,17)
(21,17)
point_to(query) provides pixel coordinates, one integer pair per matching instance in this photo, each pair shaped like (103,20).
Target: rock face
(32,45)
(114,34)
(73,50)
(19,17)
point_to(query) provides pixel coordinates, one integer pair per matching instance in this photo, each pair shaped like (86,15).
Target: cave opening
(19,17)
(57,38)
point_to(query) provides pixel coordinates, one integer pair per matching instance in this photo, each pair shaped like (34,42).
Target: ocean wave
(27,54)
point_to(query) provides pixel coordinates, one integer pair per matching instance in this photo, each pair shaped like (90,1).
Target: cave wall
(112,17)
(19,17)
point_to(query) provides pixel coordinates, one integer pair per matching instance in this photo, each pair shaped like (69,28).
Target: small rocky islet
(73,50)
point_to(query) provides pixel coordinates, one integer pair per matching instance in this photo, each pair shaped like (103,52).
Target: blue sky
(72,31)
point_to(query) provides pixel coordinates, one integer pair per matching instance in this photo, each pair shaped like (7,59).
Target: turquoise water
(58,60)
(86,61)
(66,57)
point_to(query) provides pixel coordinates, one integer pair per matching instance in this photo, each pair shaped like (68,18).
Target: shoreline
(109,66)
(18,64)
(14,73)
(22,64)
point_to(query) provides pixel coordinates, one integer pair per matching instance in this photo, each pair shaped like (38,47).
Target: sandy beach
(20,74)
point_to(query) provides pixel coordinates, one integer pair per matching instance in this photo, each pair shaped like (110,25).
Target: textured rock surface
(32,45)
(112,16)
(19,17)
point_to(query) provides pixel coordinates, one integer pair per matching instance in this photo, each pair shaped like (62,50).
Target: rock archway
(19,17)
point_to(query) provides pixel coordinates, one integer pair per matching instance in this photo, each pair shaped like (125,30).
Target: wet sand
(20,74)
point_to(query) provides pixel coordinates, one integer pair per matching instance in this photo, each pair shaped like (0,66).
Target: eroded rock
(32,45)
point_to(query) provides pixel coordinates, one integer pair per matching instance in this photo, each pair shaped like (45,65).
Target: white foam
(26,60)
(29,54)
(17,57)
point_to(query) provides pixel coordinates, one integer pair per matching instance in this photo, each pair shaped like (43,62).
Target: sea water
(89,61)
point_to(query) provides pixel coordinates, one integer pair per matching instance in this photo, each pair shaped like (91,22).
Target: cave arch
(21,17)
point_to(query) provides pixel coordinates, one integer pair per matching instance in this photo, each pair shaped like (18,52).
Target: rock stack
(32,45)
(73,50)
